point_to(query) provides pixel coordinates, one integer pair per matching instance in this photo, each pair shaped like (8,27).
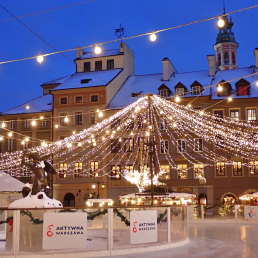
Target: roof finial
(224,9)
(120,33)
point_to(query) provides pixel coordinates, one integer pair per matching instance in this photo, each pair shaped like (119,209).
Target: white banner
(64,230)
(143,227)
(251,212)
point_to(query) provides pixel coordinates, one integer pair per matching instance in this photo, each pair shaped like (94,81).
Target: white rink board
(143,227)
(64,230)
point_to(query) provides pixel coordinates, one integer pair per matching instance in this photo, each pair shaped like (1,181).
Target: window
(198,170)
(110,64)
(164,147)
(94,169)
(180,91)
(234,114)
(86,66)
(218,113)
(226,60)
(237,168)
(62,170)
(182,172)
(219,59)
(77,172)
(63,100)
(93,117)
(128,146)
(163,93)
(115,172)
(163,124)
(83,81)
(62,119)
(11,144)
(219,142)
(181,146)
(94,98)
(27,123)
(251,114)
(233,58)
(26,145)
(196,90)
(130,168)
(165,171)
(242,90)
(198,145)
(220,169)
(12,124)
(253,168)
(78,118)
(142,142)
(45,123)
(98,65)
(78,99)
(115,146)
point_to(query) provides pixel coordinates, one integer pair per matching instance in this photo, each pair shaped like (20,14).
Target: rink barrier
(107,232)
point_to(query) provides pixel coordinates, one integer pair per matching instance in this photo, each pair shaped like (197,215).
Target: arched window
(69,200)
(233,58)
(226,60)
(219,59)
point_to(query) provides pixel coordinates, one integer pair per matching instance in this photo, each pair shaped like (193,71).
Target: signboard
(185,190)
(251,212)
(64,230)
(143,227)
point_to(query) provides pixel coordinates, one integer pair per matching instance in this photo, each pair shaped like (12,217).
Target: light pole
(102,187)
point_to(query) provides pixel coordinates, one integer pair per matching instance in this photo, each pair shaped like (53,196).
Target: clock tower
(226,46)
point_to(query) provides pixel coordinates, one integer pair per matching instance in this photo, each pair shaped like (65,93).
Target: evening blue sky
(94,22)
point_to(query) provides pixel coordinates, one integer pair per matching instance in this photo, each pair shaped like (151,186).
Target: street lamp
(98,183)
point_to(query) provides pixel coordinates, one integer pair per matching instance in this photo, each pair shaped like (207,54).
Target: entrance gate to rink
(89,232)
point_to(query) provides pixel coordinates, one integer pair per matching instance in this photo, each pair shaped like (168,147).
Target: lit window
(198,171)
(62,170)
(237,168)
(78,99)
(93,117)
(165,172)
(130,168)
(220,169)
(110,64)
(181,146)
(94,98)
(253,168)
(115,172)
(63,101)
(94,169)
(196,90)
(77,172)
(234,114)
(182,172)
(78,118)
(128,146)
(163,93)
(251,114)
(198,145)
(27,123)
(164,147)
(142,142)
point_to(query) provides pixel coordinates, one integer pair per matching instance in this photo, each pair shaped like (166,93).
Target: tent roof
(9,184)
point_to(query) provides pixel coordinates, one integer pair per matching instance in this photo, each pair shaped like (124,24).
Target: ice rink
(214,239)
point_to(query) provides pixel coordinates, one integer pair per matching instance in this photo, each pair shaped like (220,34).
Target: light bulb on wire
(3,125)
(221,23)
(153,37)
(97,50)
(100,114)
(220,88)
(1,138)
(177,99)
(10,134)
(66,119)
(229,98)
(33,123)
(56,126)
(27,106)
(40,59)
(256,83)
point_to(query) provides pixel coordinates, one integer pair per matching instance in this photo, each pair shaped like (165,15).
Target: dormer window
(98,65)
(196,88)
(86,66)
(180,89)
(110,64)
(243,87)
(223,89)
(164,91)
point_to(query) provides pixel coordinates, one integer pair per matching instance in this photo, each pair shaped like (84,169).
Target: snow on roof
(40,104)
(110,52)
(9,184)
(57,81)
(234,76)
(97,78)
(151,82)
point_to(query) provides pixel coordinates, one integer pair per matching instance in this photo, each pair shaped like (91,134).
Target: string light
(27,139)
(79,144)
(220,88)
(3,125)
(189,105)
(27,106)
(153,37)
(33,123)
(97,50)
(10,134)
(74,132)
(23,142)
(229,98)
(1,137)
(40,59)
(41,117)
(177,99)
(221,23)
(69,145)
(66,119)
(100,114)
(56,126)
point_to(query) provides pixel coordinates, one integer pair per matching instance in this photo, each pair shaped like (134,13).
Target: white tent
(9,184)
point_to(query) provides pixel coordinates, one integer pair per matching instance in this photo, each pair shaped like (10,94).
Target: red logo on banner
(134,227)
(49,232)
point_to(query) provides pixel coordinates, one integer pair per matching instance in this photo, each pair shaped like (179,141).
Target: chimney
(213,66)
(256,57)
(168,69)
(79,52)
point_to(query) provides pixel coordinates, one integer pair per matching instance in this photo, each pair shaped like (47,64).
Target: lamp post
(102,187)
